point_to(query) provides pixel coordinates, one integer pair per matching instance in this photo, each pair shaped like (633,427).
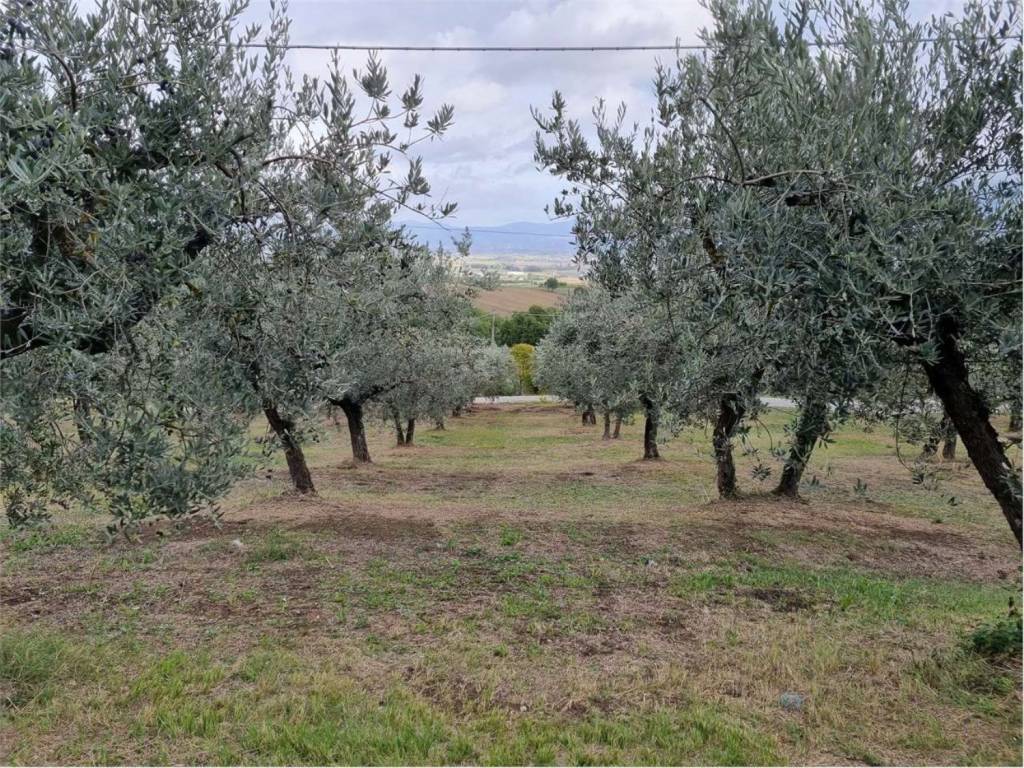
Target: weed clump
(1000,638)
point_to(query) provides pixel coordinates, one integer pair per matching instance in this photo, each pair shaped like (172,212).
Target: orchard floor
(516,590)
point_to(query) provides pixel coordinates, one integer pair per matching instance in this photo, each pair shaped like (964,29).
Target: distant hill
(552,238)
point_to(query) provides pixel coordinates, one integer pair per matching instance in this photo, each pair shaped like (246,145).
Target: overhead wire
(541,48)
(566,48)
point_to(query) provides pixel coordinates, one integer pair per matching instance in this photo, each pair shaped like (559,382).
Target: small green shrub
(1001,637)
(510,536)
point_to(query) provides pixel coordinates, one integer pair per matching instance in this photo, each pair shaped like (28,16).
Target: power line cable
(539,48)
(569,48)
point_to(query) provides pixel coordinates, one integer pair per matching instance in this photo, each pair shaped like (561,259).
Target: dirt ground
(534,594)
(508,299)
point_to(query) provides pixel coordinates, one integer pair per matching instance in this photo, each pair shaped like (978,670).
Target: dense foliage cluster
(824,200)
(527,327)
(825,204)
(191,237)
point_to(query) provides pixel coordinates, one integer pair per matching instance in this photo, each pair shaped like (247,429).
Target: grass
(864,596)
(276,706)
(45,539)
(275,546)
(516,590)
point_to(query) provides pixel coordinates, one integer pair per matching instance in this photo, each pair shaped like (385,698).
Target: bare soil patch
(431,580)
(504,301)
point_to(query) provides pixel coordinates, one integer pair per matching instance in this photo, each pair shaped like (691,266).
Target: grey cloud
(486,162)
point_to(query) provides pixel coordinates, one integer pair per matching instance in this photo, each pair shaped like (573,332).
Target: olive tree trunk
(607,426)
(948,438)
(1015,419)
(618,426)
(410,428)
(83,420)
(353,410)
(651,414)
(284,428)
(589,419)
(399,434)
(813,423)
(969,414)
(730,413)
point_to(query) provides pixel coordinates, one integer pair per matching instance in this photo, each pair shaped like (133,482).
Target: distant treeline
(527,327)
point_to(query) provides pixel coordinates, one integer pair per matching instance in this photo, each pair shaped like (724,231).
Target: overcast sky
(485,163)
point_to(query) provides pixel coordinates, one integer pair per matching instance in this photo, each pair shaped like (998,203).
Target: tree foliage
(523,356)
(188,234)
(819,211)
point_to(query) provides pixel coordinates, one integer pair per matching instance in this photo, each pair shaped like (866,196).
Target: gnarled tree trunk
(730,413)
(589,419)
(399,434)
(83,420)
(607,426)
(812,425)
(618,426)
(356,429)
(948,438)
(968,412)
(1015,419)
(410,428)
(651,414)
(284,428)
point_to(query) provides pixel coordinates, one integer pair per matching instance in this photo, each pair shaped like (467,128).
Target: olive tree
(440,378)
(622,352)
(637,235)
(311,240)
(122,133)
(495,371)
(401,301)
(905,171)
(579,360)
(155,162)
(851,201)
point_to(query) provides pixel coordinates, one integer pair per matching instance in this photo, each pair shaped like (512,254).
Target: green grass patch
(276,546)
(510,536)
(272,706)
(31,661)
(869,596)
(689,735)
(46,539)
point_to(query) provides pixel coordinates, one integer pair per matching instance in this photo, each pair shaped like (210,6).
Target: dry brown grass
(541,592)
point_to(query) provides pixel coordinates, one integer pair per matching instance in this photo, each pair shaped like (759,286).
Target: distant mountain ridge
(553,238)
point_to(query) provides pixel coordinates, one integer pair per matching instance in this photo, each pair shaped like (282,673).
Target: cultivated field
(508,299)
(515,590)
